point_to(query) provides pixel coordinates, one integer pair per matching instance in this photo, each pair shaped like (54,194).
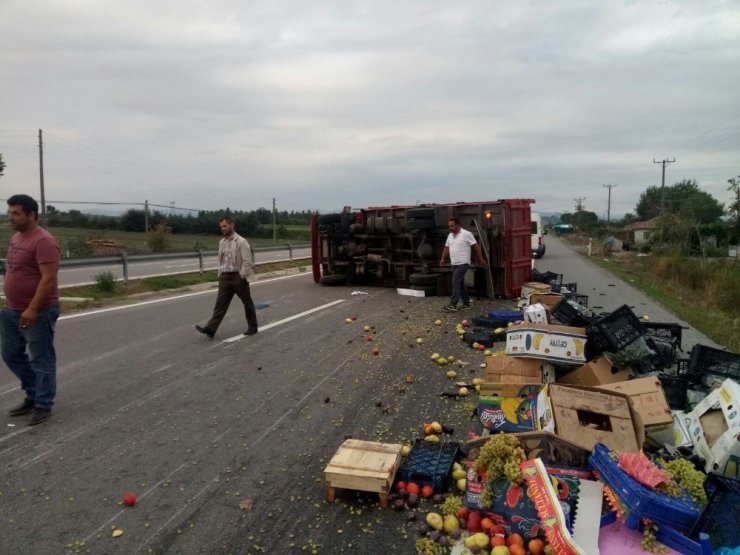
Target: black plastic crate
(665,347)
(615,331)
(708,360)
(430,463)
(549,278)
(482,338)
(492,323)
(675,388)
(721,517)
(569,315)
(664,331)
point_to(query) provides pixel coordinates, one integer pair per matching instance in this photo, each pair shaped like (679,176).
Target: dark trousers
(230,284)
(459,293)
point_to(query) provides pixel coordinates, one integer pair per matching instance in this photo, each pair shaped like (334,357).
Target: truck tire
(420,213)
(334,279)
(429,290)
(324,219)
(420,224)
(423,279)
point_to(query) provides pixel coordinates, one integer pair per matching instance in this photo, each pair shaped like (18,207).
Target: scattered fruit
(442,361)
(435,356)
(376,351)
(370,338)
(436,427)
(435,521)
(438,322)
(427,491)
(129,499)
(419,341)
(463,392)
(488,352)
(451,358)
(497,540)
(478,539)
(366,328)
(348,320)
(514,539)
(405,450)
(117,533)
(400,485)
(500,550)
(451,374)
(536,546)
(412,488)
(461,483)
(432,438)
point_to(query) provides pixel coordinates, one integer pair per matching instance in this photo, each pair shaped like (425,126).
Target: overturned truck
(400,246)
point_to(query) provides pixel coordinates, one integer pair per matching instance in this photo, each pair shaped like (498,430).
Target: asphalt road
(85,275)
(195,427)
(606,292)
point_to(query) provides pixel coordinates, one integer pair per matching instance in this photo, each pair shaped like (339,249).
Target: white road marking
(167,299)
(288,319)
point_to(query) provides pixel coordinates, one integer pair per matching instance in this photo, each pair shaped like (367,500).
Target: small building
(639,233)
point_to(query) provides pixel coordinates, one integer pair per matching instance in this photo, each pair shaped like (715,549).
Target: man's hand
(28,317)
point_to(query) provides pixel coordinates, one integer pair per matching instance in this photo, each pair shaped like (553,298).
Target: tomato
(412,487)
(515,539)
(536,546)
(400,485)
(486,524)
(427,491)
(517,549)
(497,541)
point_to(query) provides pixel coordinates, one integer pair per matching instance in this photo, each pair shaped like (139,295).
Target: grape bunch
(688,477)
(500,457)
(427,546)
(452,504)
(669,488)
(649,542)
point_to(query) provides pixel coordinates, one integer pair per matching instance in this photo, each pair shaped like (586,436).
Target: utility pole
(579,209)
(609,206)
(274,220)
(146,217)
(663,163)
(41,176)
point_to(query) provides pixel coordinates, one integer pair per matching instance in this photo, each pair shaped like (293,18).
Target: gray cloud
(322,104)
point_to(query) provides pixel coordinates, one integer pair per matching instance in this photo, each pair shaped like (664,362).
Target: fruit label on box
(547,342)
(508,414)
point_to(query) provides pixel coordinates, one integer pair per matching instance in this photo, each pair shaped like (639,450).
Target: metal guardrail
(124,260)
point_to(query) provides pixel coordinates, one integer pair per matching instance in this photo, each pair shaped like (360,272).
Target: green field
(135,242)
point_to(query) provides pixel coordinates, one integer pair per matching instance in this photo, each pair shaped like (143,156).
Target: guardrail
(124,260)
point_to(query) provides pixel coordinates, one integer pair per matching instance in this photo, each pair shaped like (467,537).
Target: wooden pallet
(365,466)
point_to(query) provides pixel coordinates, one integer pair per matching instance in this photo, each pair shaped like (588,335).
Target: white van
(538,245)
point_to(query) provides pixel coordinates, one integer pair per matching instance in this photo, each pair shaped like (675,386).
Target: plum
(411,516)
(435,535)
(413,500)
(423,529)
(456,534)
(399,504)
(444,541)
(438,499)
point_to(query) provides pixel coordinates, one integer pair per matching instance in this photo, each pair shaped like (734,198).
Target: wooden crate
(364,466)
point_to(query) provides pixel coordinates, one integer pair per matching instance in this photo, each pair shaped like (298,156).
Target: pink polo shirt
(22,274)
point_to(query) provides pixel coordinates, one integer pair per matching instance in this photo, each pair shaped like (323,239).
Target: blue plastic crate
(641,501)
(430,463)
(720,519)
(506,315)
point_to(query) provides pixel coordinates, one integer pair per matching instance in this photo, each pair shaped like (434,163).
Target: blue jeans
(37,372)
(459,293)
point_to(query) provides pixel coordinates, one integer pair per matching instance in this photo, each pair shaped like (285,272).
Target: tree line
(252,223)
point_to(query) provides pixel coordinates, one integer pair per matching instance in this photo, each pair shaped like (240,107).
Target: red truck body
(400,246)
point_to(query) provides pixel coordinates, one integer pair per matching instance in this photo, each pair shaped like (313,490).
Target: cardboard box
(548,342)
(681,435)
(536,314)
(508,407)
(648,400)
(597,372)
(550,300)
(503,369)
(586,416)
(714,427)
(534,287)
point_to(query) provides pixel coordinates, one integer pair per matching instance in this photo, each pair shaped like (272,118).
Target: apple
(129,499)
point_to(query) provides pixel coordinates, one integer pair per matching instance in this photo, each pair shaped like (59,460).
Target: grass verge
(704,293)
(96,297)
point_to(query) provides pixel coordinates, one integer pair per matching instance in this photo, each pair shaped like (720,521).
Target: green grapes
(427,546)
(688,477)
(649,542)
(669,488)
(452,504)
(500,457)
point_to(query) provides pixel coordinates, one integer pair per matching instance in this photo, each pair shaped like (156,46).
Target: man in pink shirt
(31,309)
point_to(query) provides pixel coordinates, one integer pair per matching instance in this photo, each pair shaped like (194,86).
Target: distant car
(538,245)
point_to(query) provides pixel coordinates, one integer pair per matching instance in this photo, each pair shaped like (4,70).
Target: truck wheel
(420,224)
(329,219)
(334,279)
(423,279)
(429,290)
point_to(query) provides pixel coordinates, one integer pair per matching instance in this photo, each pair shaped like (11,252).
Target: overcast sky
(321,104)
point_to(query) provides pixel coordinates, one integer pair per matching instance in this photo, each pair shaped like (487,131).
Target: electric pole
(609,206)
(579,209)
(663,163)
(146,216)
(41,176)
(274,220)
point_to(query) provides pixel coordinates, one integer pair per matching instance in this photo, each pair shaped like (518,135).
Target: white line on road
(288,319)
(176,297)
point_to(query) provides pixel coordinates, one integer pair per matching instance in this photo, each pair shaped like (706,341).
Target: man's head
(453,224)
(23,212)
(227,226)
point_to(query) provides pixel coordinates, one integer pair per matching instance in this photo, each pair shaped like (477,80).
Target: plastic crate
(491,323)
(664,331)
(641,501)
(569,315)
(506,315)
(707,360)
(721,517)
(675,388)
(615,331)
(568,288)
(550,278)
(482,338)
(430,463)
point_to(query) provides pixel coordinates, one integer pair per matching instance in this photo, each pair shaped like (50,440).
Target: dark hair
(225,219)
(457,222)
(27,203)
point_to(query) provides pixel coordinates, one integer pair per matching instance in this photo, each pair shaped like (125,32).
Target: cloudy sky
(321,104)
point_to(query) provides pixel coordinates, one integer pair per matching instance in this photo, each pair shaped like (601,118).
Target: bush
(158,239)
(105,282)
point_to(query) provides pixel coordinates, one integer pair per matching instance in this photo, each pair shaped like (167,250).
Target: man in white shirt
(458,245)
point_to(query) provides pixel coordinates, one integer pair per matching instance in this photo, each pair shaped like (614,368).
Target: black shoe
(24,408)
(39,416)
(251,331)
(449,308)
(205,331)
